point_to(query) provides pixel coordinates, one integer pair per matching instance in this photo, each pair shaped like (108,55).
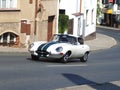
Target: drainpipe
(80,6)
(58,3)
(35,21)
(83,21)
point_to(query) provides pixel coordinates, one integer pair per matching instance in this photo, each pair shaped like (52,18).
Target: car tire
(65,58)
(34,57)
(84,58)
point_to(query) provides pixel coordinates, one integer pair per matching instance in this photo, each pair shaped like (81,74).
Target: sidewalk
(6,49)
(101,42)
(105,86)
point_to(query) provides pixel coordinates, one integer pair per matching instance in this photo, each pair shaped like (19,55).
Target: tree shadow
(79,80)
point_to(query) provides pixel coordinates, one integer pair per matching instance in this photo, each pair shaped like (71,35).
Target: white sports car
(61,46)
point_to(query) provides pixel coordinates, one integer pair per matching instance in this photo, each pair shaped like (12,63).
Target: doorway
(70,28)
(50,27)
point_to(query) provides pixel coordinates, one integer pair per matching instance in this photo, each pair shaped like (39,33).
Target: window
(30,1)
(8,38)
(87,18)
(92,17)
(3,3)
(61,11)
(8,3)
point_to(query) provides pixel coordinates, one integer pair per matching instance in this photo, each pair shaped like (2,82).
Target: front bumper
(49,54)
(33,52)
(57,56)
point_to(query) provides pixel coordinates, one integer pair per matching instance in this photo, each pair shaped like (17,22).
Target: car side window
(63,39)
(72,40)
(80,40)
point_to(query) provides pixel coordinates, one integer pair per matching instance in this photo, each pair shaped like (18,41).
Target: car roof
(68,35)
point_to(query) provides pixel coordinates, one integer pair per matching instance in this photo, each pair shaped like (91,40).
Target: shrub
(63,23)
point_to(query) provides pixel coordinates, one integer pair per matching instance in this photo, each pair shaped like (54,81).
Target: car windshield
(64,39)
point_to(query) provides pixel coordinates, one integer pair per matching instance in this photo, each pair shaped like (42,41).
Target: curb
(14,53)
(105,27)
(96,44)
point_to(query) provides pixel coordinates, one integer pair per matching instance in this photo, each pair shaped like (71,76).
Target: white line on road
(66,65)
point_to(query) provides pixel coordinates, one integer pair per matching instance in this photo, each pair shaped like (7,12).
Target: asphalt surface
(107,54)
(102,42)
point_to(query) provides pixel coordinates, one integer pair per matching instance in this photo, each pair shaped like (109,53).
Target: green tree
(99,10)
(63,23)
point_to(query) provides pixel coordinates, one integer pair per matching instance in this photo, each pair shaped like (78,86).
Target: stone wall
(10,21)
(10,27)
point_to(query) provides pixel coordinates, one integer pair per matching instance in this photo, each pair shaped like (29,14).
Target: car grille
(42,53)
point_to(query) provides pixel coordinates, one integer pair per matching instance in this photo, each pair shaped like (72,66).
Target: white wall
(73,6)
(70,6)
(90,5)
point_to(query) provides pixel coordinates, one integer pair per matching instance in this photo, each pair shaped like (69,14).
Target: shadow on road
(78,80)
(49,60)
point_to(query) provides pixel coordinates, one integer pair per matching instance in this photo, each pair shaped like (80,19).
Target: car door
(77,50)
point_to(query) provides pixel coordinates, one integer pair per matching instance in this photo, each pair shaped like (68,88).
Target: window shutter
(30,1)
(23,26)
(28,29)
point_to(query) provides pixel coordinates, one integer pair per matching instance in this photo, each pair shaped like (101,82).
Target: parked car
(61,46)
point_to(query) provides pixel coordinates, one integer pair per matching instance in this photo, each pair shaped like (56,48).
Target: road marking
(66,65)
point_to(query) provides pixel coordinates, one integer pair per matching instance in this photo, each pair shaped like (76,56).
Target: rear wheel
(34,57)
(84,58)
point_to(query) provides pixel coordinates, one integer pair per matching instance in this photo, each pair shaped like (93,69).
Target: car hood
(51,46)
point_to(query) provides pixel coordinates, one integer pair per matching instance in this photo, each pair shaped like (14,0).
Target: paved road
(19,72)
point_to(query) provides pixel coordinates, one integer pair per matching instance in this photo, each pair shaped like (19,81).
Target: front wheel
(34,57)
(84,58)
(65,58)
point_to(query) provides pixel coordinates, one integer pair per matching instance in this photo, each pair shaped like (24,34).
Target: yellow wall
(26,11)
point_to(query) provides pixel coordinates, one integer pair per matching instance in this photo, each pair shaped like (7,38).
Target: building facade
(24,21)
(82,16)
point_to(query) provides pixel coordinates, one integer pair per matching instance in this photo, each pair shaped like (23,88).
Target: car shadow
(46,60)
(79,80)
(49,60)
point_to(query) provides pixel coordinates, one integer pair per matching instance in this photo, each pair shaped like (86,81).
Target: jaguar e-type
(62,47)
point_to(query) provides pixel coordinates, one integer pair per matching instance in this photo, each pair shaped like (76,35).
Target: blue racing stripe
(45,47)
(41,46)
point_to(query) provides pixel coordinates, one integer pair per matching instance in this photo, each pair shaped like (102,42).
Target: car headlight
(59,49)
(31,45)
